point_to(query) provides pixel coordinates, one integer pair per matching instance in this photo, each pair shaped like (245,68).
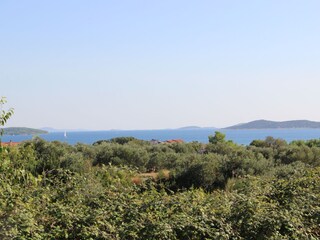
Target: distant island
(194,127)
(189,127)
(265,124)
(22,131)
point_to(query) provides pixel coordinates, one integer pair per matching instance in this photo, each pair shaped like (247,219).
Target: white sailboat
(65,134)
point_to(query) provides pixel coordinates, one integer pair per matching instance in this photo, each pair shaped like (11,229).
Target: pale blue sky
(159,64)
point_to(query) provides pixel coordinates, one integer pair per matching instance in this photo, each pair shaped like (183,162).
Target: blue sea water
(188,135)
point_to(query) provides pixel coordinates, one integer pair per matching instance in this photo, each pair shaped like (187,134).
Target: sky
(138,64)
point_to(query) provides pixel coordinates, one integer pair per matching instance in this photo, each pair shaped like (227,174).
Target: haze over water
(201,135)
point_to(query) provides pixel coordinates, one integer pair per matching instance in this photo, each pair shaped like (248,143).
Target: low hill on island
(265,124)
(22,131)
(189,127)
(194,127)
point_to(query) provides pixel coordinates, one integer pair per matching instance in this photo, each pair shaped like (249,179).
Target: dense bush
(219,190)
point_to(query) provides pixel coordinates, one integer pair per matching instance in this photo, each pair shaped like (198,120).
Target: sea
(243,137)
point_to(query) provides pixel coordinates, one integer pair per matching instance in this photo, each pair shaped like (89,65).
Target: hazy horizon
(104,65)
(51,128)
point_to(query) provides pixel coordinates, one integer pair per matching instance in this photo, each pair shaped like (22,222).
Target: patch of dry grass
(162,174)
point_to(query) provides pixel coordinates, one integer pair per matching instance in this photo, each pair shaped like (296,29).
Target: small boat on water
(65,134)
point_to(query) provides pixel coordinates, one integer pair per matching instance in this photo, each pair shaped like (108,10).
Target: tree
(218,137)
(4,117)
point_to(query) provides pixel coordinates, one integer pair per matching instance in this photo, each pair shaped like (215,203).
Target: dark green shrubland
(219,190)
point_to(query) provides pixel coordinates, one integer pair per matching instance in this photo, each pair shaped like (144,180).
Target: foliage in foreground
(220,190)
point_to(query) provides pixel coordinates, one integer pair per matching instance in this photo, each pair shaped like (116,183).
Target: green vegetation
(22,131)
(4,115)
(220,190)
(264,124)
(125,188)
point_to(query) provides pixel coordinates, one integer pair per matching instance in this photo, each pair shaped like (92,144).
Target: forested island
(22,131)
(126,188)
(265,124)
